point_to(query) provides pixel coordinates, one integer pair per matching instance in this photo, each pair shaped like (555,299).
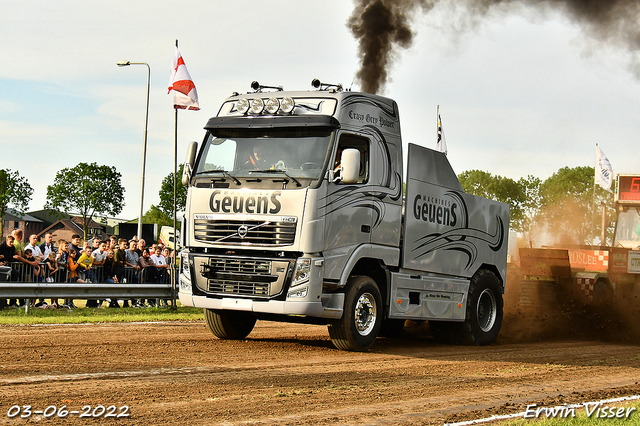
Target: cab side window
(355,142)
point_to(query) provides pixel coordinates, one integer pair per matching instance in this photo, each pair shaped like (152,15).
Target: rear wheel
(603,294)
(484,312)
(361,318)
(229,325)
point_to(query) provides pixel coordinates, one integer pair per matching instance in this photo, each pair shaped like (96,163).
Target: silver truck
(296,212)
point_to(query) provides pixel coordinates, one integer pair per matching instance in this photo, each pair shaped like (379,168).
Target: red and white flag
(185,95)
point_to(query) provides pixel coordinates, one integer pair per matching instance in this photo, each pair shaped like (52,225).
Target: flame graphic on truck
(463,239)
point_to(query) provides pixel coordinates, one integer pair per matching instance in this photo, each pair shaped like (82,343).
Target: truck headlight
(242,106)
(184,266)
(287,105)
(272,106)
(301,272)
(257,105)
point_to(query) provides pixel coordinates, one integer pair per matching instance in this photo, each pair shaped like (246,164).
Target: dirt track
(173,373)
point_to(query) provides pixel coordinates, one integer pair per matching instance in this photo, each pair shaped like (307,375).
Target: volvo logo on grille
(242,231)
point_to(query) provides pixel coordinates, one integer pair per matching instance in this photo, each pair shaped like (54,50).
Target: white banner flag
(442,142)
(604,171)
(185,95)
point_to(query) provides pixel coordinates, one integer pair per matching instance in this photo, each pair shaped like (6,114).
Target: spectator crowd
(96,261)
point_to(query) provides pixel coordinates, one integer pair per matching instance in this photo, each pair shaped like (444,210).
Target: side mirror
(189,162)
(350,163)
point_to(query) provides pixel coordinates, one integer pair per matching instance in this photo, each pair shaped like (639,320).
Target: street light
(144,149)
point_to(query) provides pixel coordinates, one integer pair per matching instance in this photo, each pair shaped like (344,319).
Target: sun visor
(271,122)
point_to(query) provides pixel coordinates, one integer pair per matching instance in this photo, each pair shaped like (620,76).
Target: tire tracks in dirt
(289,374)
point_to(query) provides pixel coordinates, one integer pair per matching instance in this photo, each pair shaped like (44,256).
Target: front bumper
(330,306)
(304,299)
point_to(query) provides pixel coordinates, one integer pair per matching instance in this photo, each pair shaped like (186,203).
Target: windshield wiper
(236,181)
(279,171)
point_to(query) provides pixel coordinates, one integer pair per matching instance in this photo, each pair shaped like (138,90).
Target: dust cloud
(563,224)
(549,316)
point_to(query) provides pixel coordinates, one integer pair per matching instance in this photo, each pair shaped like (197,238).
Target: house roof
(14,215)
(92,223)
(71,226)
(51,216)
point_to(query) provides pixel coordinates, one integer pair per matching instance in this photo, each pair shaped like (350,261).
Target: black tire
(229,325)
(392,328)
(603,294)
(362,316)
(485,308)
(440,331)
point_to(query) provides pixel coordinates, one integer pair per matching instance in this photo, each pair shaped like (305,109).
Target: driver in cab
(256,159)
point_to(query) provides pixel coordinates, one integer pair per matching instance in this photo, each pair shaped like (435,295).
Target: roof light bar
(272,106)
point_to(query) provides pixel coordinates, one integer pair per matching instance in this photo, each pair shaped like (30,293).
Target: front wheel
(229,325)
(361,318)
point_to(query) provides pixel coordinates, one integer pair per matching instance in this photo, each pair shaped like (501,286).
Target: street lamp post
(144,147)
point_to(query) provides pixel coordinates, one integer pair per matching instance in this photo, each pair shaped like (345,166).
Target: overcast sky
(520,93)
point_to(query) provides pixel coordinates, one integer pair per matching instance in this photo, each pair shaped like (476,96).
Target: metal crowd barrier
(18,281)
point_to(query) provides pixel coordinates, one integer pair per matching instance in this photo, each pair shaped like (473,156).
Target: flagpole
(186,98)
(175,230)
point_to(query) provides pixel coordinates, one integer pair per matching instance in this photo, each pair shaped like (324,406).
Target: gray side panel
(428,297)
(446,230)
(427,165)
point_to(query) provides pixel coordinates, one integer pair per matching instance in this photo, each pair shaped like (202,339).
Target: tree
(88,189)
(155,215)
(568,205)
(166,194)
(15,191)
(498,188)
(531,205)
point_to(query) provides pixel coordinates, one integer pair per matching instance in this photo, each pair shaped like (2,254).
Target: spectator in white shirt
(35,249)
(161,263)
(99,257)
(37,257)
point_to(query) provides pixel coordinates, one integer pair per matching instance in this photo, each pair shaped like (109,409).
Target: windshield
(300,152)
(628,229)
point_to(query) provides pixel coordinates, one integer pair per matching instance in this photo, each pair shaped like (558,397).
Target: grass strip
(17,316)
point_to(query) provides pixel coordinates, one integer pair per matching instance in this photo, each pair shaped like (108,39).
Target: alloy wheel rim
(487,310)
(365,314)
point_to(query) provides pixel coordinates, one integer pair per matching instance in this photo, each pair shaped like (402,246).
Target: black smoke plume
(383,26)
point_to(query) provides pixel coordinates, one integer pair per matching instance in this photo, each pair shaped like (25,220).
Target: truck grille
(245,232)
(243,277)
(239,288)
(247,266)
